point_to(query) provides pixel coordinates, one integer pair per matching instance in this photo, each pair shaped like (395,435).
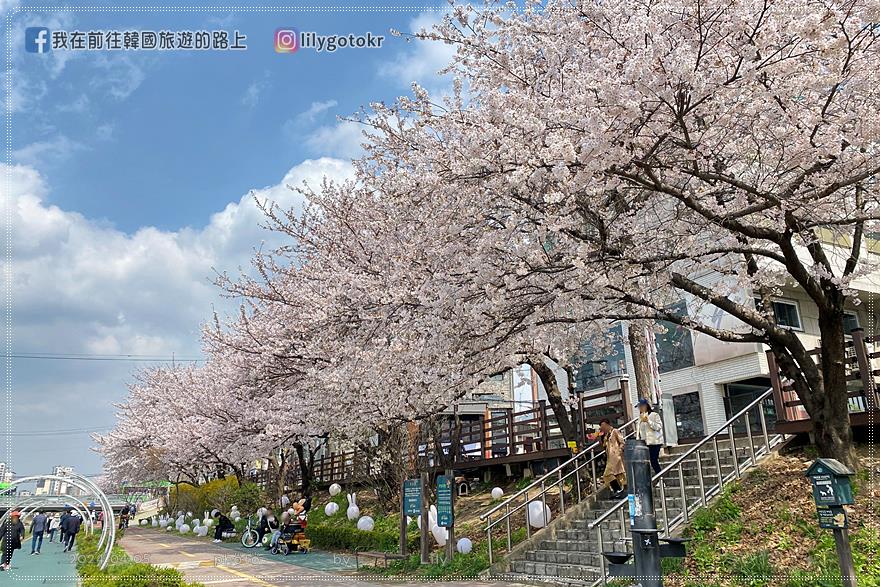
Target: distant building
(56,487)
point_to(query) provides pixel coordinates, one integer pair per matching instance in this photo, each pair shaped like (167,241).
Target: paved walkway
(51,566)
(211,564)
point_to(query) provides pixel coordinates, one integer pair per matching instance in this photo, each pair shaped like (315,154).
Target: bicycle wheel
(250,538)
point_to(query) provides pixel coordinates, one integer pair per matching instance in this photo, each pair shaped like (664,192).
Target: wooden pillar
(510,430)
(776,382)
(865,371)
(545,427)
(627,404)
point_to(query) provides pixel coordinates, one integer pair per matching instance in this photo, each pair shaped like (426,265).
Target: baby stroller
(293,532)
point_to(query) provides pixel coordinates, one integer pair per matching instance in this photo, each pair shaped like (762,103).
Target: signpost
(424,547)
(410,505)
(445,505)
(831,491)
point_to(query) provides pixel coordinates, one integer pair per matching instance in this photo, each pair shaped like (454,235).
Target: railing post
(776,381)
(510,436)
(624,396)
(865,371)
(545,428)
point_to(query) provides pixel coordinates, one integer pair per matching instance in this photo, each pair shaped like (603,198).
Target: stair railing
(675,472)
(555,478)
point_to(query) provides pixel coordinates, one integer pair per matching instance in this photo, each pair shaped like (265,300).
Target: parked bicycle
(249,536)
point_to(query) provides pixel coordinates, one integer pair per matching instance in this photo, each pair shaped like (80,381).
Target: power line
(128,358)
(57,432)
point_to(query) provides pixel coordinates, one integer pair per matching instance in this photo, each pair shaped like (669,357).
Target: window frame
(790,302)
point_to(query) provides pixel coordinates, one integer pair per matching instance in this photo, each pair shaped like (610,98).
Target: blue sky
(129,186)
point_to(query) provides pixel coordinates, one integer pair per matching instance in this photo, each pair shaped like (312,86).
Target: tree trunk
(638,348)
(831,426)
(305,470)
(554,397)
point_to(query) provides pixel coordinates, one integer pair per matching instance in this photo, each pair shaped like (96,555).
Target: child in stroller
(292,537)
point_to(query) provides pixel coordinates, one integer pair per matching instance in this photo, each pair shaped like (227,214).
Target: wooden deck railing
(862,354)
(514,435)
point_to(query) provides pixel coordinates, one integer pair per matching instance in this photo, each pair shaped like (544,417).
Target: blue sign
(444,501)
(412,497)
(36,40)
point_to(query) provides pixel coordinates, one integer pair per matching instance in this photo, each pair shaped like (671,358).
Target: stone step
(579,558)
(568,571)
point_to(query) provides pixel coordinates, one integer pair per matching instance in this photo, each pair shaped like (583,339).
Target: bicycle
(250,537)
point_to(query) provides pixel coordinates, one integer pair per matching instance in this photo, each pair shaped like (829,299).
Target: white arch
(80,482)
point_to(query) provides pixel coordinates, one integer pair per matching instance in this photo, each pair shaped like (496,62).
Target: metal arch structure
(108,528)
(79,483)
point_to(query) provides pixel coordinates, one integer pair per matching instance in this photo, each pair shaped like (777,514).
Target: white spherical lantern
(335,489)
(209,522)
(189,514)
(353,513)
(291,512)
(539,514)
(168,528)
(179,514)
(196,530)
(236,519)
(184,529)
(464,545)
(497,492)
(330,509)
(365,524)
(203,531)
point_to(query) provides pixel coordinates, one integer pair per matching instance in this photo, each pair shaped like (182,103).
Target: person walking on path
(62,526)
(54,524)
(650,429)
(70,532)
(38,528)
(12,534)
(615,474)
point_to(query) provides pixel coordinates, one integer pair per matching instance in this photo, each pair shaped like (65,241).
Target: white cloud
(255,90)
(58,148)
(81,286)
(424,58)
(314,111)
(341,140)
(119,77)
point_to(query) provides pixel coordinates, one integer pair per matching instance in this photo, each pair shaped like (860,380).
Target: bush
(221,494)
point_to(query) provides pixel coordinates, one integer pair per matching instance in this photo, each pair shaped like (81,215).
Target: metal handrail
(689,452)
(725,429)
(543,483)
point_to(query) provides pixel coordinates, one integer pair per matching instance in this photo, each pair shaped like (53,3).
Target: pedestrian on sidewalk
(54,524)
(615,474)
(12,534)
(73,525)
(650,429)
(38,528)
(62,526)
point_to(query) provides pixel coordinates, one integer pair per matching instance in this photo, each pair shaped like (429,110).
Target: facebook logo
(36,40)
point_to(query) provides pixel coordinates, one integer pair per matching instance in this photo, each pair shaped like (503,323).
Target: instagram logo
(286,40)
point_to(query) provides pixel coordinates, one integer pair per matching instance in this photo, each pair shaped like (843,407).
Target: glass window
(675,349)
(850,323)
(785,313)
(594,364)
(688,415)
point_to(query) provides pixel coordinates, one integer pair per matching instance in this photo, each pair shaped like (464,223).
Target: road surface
(235,566)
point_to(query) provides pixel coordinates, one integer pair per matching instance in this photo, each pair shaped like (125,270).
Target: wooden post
(424,547)
(865,371)
(510,436)
(403,524)
(844,554)
(776,382)
(450,532)
(545,428)
(627,403)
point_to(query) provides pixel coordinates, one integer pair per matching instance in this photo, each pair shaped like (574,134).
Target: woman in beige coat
(615,474)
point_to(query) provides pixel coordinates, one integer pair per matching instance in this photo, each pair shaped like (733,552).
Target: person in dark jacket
(224,524)
(73,524)
(62,527)
(39,525)
(12,534)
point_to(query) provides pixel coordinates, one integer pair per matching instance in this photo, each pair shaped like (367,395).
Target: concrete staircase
(567,551)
